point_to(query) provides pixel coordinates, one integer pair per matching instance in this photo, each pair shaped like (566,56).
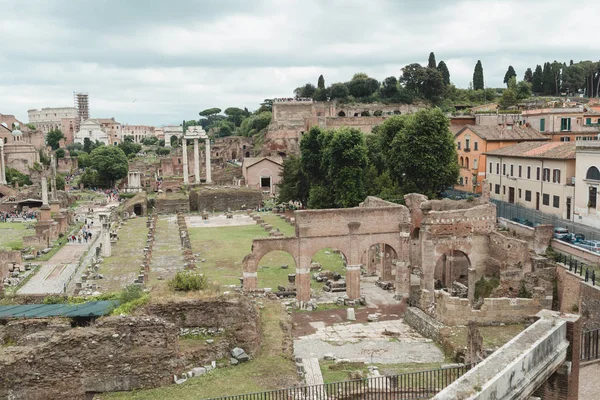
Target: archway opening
(381,261)
(274,270)
(247,154)
(341,114)
(282,155)
(137,210)
(234,155)
(330,265)
(452,273)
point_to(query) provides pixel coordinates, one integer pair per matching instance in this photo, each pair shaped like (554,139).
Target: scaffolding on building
(82,103)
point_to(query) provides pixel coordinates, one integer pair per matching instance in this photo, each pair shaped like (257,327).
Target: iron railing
(590,345)
(577,267)
(411,385)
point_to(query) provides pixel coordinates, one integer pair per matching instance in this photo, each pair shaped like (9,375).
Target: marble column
(207,150)
(196,162)
(105,235)
(185,161)
(53,177)
(2,166)
(45,210)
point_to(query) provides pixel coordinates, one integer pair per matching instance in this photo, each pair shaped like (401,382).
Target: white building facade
(92,130)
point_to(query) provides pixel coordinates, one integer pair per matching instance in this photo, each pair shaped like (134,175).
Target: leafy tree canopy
(54,137)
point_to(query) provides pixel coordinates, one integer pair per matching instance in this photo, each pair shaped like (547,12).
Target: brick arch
(260,247)
(386,272)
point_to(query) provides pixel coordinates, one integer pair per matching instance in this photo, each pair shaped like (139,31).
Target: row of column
(186,178)
(2,166)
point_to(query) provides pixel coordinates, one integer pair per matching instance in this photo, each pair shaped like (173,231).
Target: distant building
(587,183)
(112,128)
(65,119)
(473,141)
(263,173)
(564,124)
(540,176)
(92,130)
(138,132)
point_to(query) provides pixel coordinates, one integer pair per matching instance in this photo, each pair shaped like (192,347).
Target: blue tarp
(89,309)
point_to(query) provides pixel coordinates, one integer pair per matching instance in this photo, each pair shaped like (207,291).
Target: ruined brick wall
(372,202)
(115,354)
(569,293)
(172,206)
(7,258)
(223,199)
(456,311)
(508,258)
(365,124)
(239,318)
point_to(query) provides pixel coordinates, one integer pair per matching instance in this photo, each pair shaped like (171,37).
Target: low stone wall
(172,206)
(238,318)
(115,354)
(457,311)
(222,199)
(424,324)
(579,297)
(567,248)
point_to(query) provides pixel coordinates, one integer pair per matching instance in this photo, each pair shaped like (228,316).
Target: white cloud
(178,57)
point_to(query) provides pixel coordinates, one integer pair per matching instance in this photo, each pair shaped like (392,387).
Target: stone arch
(341,114)
(452,265)
(275,260)
(247,155)
(397,112)
(233,154)
(282,154)
(260,247)
(378,113)
(382,258)
(138,210)
(592,174)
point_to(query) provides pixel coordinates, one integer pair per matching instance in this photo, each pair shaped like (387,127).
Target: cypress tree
(548,79)
(443,68)
(321,82)
(528,75)
(431,63)
(478,76)
(509,74)
(537,80)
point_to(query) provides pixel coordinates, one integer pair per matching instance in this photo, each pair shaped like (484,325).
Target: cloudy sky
(159,62)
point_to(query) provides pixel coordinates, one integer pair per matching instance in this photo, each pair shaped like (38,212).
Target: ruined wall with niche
(115,354)
(222,199)
(508,258)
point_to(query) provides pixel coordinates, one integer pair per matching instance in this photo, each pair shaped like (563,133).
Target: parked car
(573,238)
(591,245)
(561,233)
(522,221)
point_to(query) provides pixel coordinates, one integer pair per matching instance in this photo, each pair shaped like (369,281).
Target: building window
(528,195)
(462,162)
(460,181)
(592,197)
(503,189)
(528,172)
(475,164)
(519,193)
(546,199)
(512,170)
(565,124)
(503,169)
(458,145)
(556,175)
(490,168)
(546,174)
(490,187)
(520,170)
(475,145)
(588,121)
(467,142)
(555,201)
(537,173)
(497,168)
(497,189)
(593,174)
(542,124)
(565,139)
(467,162)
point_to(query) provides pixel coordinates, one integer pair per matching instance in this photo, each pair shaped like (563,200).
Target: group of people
(84,233)
(16,216)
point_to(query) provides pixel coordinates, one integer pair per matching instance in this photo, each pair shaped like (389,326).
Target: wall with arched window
(593,174)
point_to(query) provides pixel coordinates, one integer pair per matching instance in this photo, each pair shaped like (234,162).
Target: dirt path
(167,257)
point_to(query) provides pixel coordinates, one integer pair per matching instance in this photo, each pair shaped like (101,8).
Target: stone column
(472,280)
(53,177)
(196,162)
(402,279)
(105,235)
(208,171)
(45,210)
(353,281)
(185,161)
(2,166)
(303,284)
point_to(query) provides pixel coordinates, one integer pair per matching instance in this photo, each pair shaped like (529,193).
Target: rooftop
(550,150)
(504,133)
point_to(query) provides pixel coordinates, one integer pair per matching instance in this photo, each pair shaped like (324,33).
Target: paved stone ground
(167,257)
(589,386)
(386,342)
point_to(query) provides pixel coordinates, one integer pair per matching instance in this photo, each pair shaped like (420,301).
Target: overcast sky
(158,62)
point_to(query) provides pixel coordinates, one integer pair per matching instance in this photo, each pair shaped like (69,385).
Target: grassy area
(333,372)
(493,336)
(122,267)
(330,262)
(277,222)
(267,371)
(12,234)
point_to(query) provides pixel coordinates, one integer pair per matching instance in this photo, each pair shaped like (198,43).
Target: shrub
(126,195)
(129,307)
(523,292)
(162,151)
(484,287)
(186,281)
(130,293)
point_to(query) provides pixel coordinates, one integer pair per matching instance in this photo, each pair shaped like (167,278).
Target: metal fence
(412,385)
(528,216)
(590,345)
(577,267)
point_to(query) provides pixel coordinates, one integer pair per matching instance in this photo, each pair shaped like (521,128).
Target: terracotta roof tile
(503,133)
(551,150)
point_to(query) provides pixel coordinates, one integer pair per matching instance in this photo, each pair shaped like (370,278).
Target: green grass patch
(493,336)
(12,234)
(268,370)
(330,262)
(277,222)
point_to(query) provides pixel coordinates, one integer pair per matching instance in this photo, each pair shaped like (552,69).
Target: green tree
(423,154)
(83,160)
(508,99)
(211,117)
(60,153)
(431,62)
(548,79)
(389,88)
(443,68)
(294,185)
(129,147)
(60,182)
(510,73)
(236,115)
(528,75)
(111,164)
(362,86)
(339,91)
(225,128)
(427,83)
(150,141)
(308,90)
(53,138)
(537,80)
(321,82)
(478,81)
(266,105)
(14,176)
(90,178)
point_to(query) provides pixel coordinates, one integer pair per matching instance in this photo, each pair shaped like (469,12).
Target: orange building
(473,141)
